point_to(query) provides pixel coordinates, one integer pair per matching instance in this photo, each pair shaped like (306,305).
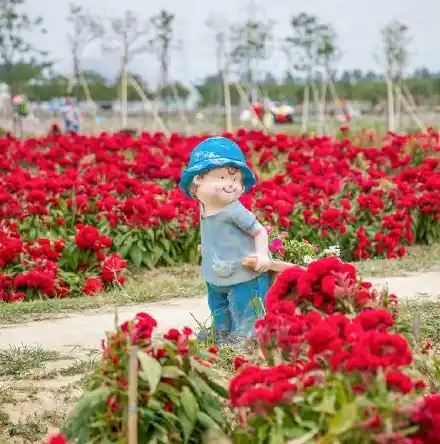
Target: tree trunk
(219,59)
(305,107)
(322,106)
(164,79)
(124,93)
(391,116)
(227,100)
(76,74)
(398,105)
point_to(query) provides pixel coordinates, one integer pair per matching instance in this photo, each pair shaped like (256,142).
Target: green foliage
(17,52)
(178,396)
(300,252)
(369,89)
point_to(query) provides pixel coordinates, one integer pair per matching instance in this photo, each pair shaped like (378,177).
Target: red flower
(398,381)
(92,286)
(87,237)
(59,438)
(112,267)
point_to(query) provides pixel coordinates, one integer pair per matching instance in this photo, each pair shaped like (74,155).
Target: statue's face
(220,186)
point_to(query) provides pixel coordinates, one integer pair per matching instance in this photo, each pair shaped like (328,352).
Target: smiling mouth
(229,192)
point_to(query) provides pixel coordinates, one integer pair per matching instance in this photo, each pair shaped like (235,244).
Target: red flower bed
(371,196)
(334,368)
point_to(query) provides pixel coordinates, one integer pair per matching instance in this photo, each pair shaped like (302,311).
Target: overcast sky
(358,23)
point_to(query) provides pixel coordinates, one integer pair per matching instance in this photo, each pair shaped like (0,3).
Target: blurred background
(199,66)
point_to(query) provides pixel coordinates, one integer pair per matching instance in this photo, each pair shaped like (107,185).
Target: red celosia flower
(87,237)
(92,286)
(112,268)
(59,438)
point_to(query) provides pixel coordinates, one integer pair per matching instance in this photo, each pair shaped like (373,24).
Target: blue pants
(236,308)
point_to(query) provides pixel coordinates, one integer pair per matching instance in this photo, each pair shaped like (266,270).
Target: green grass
(418,258)
(80,367)
(186,282)
(17,362)
(429,319)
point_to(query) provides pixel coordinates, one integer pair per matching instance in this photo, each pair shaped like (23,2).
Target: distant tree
(172,90)
(128,37)
(311,44)
(328,53)
(86,29)
(270,79)
(217,27)
(162,46)
(251,45)
(16,47)
(395,42)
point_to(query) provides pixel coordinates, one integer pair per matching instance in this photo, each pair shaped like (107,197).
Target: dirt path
(87,329)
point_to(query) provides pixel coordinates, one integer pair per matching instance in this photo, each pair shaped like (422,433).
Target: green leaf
(303,439)
(327,405)
(151,370)
(172,392)
(33,233)
(343,419)
(136,256)
(172,372)
(146,260)
(276,436)
(189,403)
(187,427)
(206,420)
(141,246)
(126,247)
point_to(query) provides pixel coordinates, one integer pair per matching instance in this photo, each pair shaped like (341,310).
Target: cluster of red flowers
(328,285)
(34,269)
(307,335)
(371,196)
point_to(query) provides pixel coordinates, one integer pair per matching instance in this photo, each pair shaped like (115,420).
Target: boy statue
(217,175)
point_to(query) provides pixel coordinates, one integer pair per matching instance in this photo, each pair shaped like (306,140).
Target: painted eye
(235,180)
(222,178)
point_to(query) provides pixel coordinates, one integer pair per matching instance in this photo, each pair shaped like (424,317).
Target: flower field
(332,365)
(77,210)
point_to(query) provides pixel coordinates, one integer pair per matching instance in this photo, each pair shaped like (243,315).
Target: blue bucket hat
(216,152)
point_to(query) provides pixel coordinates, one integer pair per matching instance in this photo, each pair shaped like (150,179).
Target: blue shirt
(227,238)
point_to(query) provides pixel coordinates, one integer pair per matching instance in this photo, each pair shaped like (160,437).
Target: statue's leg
(247,304)
(221,316)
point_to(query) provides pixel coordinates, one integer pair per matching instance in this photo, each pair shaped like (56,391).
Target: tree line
(311,50)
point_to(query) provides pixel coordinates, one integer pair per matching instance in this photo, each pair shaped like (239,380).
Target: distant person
(71,117)
(345,110)
(20,112)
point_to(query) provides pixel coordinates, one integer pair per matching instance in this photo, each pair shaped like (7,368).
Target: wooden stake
(227,100)
(244,96)
(305,108)
(124,95)
(147,104)
(88,97)
(132,396)
(183,118)
(416,328)
(409,109)
(391,111)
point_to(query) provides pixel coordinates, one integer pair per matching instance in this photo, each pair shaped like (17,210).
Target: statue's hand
(263,263)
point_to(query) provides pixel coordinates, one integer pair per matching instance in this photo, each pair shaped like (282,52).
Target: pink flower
(276,245)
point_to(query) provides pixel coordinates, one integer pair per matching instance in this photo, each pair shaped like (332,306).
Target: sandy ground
(86,330)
